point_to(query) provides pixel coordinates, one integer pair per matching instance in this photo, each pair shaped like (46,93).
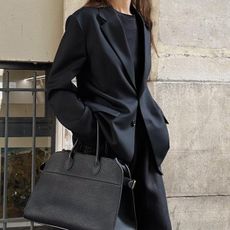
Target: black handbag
(80,191)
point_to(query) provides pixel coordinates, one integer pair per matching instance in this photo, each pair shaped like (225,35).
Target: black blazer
(94,49)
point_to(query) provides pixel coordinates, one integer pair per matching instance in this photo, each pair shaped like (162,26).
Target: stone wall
(192,87)
(30,30)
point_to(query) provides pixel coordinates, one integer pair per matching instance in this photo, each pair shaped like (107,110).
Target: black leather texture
(75,191)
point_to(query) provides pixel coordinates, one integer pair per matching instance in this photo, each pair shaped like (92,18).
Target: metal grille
(30,127)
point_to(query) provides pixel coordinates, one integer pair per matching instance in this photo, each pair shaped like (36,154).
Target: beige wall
(30,30)
(193,87)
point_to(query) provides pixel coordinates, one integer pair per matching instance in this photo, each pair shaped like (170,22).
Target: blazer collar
(112,28)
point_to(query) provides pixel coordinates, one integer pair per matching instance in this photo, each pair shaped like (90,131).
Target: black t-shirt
(132,32)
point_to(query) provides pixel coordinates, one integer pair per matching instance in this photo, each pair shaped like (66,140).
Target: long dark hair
(143,6)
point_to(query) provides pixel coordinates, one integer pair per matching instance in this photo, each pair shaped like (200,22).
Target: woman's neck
(121,5)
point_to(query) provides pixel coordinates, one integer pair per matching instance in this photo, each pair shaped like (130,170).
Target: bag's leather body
(75,193)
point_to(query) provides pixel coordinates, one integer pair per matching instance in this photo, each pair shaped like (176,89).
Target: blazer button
(133,123)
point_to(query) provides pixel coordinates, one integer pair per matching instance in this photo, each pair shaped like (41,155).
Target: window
(27,136)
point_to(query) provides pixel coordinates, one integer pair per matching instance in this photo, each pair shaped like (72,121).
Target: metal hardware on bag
(128,181)
(132,183)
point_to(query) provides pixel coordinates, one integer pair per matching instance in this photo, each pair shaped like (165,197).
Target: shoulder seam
(73,15)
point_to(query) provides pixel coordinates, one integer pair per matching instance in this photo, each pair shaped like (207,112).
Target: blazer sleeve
(61,93)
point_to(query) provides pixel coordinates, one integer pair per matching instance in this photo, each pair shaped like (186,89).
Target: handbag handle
(97,165)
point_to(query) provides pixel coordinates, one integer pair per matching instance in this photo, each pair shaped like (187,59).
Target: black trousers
(150,197)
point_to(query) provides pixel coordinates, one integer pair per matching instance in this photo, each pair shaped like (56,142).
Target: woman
(108,51)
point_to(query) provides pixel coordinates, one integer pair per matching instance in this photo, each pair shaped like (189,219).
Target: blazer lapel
(146,46)
(112,29)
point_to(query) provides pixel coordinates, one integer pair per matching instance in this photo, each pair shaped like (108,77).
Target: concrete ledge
(194,68)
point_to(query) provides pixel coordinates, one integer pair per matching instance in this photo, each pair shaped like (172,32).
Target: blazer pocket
(102,108)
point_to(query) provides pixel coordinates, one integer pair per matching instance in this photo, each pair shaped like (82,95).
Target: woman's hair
(143,6)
